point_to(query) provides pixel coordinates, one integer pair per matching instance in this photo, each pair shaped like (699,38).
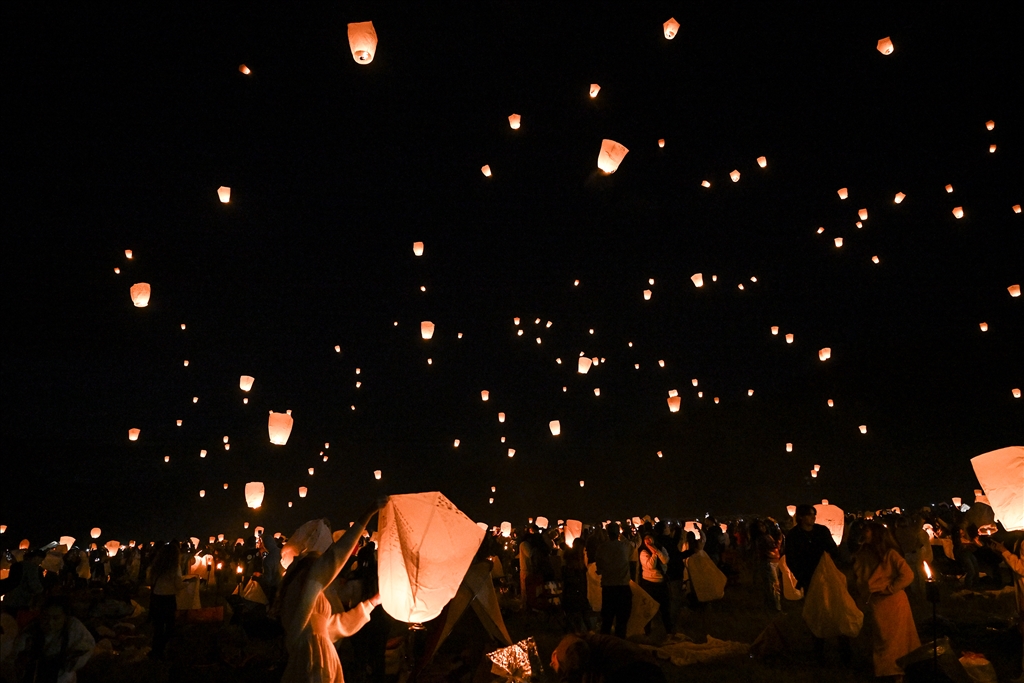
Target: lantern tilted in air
(611,155)
(362,40)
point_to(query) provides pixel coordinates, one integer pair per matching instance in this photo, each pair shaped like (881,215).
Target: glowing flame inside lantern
(671,28)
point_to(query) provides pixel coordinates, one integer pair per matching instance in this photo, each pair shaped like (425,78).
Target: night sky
(120,123)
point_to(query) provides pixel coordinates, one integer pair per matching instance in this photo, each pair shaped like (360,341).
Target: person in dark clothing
(593,658)
(371,641)
(616,595)
(574,591)
(806,543)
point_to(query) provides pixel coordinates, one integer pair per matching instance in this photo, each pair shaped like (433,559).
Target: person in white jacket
(653,564)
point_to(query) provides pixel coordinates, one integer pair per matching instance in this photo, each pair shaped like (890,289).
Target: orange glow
(244,69)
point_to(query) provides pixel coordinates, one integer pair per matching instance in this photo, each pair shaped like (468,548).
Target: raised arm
(334,558)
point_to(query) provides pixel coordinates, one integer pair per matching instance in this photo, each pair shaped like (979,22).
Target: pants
(162,610)
(616,604)
(659,591)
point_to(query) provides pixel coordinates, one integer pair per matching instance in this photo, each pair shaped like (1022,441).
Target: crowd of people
(588,581)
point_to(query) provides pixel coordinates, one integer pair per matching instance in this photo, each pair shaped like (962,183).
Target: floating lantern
(661,142)
(839,241)
(556,427)
(66,541)
(863,429)
(750,392)
(245,382)
(195,399)
(647,295)
(95,532)
(958,211)
(127,253)
(789,338)
(820,230)
(791,510)
(762,162)
(224,194)
(775,330)
(825,353)
(1015,392)
(705,183)
(244,69)
(362,40)
(789,448)
(990,125)
(984,327)
(594,89)
(697,279)
(673,404)
(611,156)
(310,470)
(863,214)
(376,474)
(734,176)
(417,248)
(485,395)
(167,458)
(456,443)
(671,28)
(991,149)
(178,422)
(583,366)
(112,547)
(814,475)
(874,259)
(843,194)
(1000,473)
(133,434)
(501,417)
(831,403)
(117,271)
(817,468)
(511,452)
(225,486)
(514,120)
(832,517)
(673,392)
(1014,290)
(899,197)
(426,329)
(486,170)
(885,47)
(302,491)
(1016,208)
(661,363)
(202,493)
(254,494)
(716,399)
(140,294)
(597,392)
(279,425)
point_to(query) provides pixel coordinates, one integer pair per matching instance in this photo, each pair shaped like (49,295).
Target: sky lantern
(958,211)
(705,183)
(991,149)
(245,382)
(594,89)
(831,403)
(863,429)
(133,434)
(1014,290)
(556,427)
(1015,392)
(511,452)
(671,28)
(762,162)
(117,271)
(376,474)
(244,69)
(501,417)
(202,493)
(167,458)
(863,214)
(310,470)
(885,47)
(178,422)
(362,40)
(820,230)
(224,194)
(303,491)
(734,176)
(984,327)
(455,444)
(661,142)
(697,279)
(832,517)
(24,545)
(417,248)
(279,425)
(874,259)
(1000,474)
(485,395)
(426,329)
(775,330)
(66,541)
(791,510)
(1016,208)
(843,194)
(611,155)
(95,532)
(140,294)
(128,253)
(583,366)
(486,170)
(990,125)
(673,404)
(839,242)
(750,392)
(789,338)
(254,494)
(825,353)
(647,295)
(661,363)
(514,121)
(899,197)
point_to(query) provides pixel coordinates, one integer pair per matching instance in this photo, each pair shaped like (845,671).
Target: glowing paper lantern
(824,354)
(583,366)
(1000,474)
(245,382)
(958,211)
(426,329)
(167,458)
(456,444)
(597,392)
(24,545)
(254,494)
(832,517)
(661,142)
(673,404)
(1016,208)
(594,89)
(750,392)
(984,327)
(425,547)
(506,529)
(556,427)
(573,529)
(839,241)
(486,170)
(244,69)
(224,194)
(362,40)
(874,259)
(1015,392)
(514,120)
(140,294)
(991,149)
(117,271)
(511,452)
(762,162)
(734,176)
(789,448)
(791,510)
(611,156)
(705,183)
(697,279)
(899,197)
(417,248)
(376,474)
(112,547)
(789,338)
(1014,290)
(831,403)
(885,47)
(279,425)
(303,491)
(863,214)
(202,493)
(990,124)
(775,330)
(647,295)
(671,28)
(485,395)
(843,194)
(133,434)
(178,422)
(863,429)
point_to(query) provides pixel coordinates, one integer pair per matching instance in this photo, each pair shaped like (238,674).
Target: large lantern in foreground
(362,40)
(832,517)
(425,547)
(1001,475)
(254,494)
(279,425)
(140,292)
(573,530)
(611,155)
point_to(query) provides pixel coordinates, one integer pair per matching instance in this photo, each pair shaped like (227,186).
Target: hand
(375,600)
(995,546)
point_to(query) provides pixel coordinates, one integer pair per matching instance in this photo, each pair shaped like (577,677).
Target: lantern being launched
(1001,474)
(362,40)
(280,427)
(254,494)
(140,294)
(425,548)
(832,517)
(671,28)
(611,155)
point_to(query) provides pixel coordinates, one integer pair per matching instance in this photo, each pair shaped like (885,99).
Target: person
(593,658)
(574,588)
(24,584)
(882,575)
(166,579)
(653,565)
(616,595)
(768,551)
(310,626)
(1016,564)
(675,574)
(55,646)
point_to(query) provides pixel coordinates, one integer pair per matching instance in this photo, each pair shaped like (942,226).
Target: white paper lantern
(279,425)
(245,382)
(697,279)
(224,194)
(254,494)
(426,329)
(611,155)
(140,292)
(362,40)
(556,427)
(1001,475)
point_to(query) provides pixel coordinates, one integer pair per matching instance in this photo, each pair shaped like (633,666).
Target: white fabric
(426,547)
(789,589)
(313,535)
(829,609)
(643,609)
(708,580)
(1001,475)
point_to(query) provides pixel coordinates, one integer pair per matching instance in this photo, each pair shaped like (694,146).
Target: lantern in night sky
(863,214)
(362,40)
(789,448)
(843,194)
(789,338)
(1016,208)
(762,162)
(697,279)
(775,330)
(594,89)
(224,194)
(455,444)
(1014,290)
(611,155)
(984,327)
(673,404)
(831,403)
(958,211)
(202,493)
(376,474)
(280,427)
(583,365)
(647,295)
(254,494)
(661,142)
(885,47)
(991,149)
(839,241)
(990,125)
(671,28)
(514,121)
(825,353)
(791,510)
(485,395)
(133,434)
(303,491)
(874,259)
(1015,392)
(426,329)
(140,294)
(417,248)
(863,429)
(734,176)
(244,69)
(245,382)
(556,427)
(486,170)
(705,183)
(899,197)
(511,452)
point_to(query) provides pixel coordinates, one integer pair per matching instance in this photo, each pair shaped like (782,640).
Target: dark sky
(120,123)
